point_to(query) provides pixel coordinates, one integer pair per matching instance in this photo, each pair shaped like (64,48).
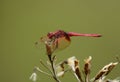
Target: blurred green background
(23,22)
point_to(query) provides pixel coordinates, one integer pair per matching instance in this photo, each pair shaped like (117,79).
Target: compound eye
(50,34)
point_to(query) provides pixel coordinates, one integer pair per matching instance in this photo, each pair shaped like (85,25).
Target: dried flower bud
(33,77)
(105,71)
(77,70)
(87,65)
(60,69)
(71,63)
(110,67)
(74,64)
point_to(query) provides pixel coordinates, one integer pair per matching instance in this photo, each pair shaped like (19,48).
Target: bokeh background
(23,22)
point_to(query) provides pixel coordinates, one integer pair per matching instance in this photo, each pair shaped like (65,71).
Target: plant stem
(53,68)
(87,78)
(51,59)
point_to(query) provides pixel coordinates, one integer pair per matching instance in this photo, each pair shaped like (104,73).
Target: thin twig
(38,69)
(53,69)
(49,53)
(45,66)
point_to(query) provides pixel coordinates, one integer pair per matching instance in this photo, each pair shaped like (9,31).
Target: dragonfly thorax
(59,40)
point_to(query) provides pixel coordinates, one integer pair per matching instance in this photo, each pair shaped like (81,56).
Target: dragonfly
(60,39)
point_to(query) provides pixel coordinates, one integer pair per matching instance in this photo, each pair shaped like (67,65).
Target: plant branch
(38,69)
(45,66)
(53,68)
(49,53)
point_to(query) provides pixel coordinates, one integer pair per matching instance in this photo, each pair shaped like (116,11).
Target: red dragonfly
(60,39)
